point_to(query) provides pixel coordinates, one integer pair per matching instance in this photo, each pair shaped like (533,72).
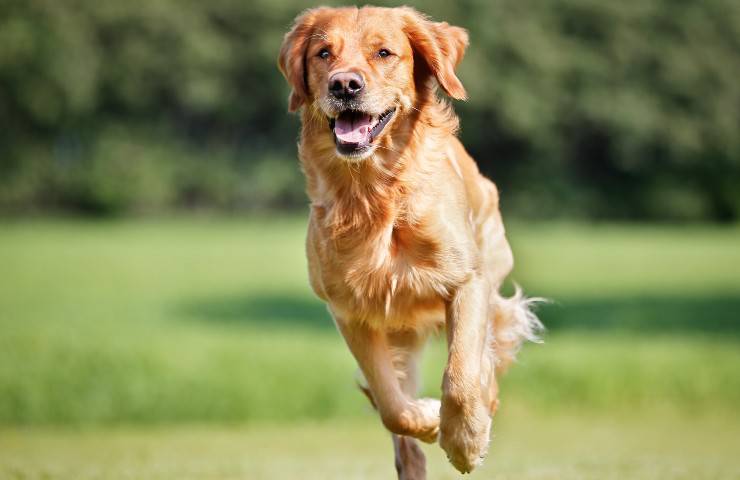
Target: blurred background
(155,315)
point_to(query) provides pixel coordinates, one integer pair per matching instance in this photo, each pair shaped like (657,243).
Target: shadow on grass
(656,315)
(268,310)
(717,315)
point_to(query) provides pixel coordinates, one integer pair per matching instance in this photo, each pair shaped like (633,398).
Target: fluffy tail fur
(514,322)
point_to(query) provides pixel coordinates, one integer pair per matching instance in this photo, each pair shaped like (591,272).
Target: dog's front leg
(465,421)
(400,414)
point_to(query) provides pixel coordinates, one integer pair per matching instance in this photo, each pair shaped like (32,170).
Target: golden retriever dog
(405,235)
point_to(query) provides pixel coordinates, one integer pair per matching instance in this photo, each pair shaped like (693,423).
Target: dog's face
(363,68)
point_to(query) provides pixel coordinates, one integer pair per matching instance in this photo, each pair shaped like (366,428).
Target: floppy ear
(292,58)
(442,48)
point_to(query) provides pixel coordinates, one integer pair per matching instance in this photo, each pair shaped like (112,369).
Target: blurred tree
(578,107)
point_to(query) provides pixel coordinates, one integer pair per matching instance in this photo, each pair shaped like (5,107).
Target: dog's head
(363,68)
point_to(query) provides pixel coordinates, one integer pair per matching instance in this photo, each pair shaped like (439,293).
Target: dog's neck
(367,195)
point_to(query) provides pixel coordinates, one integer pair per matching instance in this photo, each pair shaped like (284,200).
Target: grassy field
(194,349)
(524,448)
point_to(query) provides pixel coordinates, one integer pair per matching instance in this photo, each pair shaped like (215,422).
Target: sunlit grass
(155,322)
(121,341)
(524,447)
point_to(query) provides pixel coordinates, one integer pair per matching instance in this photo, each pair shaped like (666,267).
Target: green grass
(139,331)
(524,448)
(162,321)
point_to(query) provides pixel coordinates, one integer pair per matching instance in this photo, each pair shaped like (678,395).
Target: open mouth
(354,131)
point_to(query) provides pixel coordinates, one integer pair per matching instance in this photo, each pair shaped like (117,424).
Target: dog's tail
(514,322)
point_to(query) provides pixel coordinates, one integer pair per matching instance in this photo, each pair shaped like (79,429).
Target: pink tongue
(352,128)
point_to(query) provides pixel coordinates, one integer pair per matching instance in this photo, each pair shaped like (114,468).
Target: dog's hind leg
(411,464)
(406,349)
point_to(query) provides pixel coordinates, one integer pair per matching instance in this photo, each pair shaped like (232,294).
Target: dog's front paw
(464,433)
(429,408)
(418,419)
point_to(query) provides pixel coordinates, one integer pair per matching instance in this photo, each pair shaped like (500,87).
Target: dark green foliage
(577,107)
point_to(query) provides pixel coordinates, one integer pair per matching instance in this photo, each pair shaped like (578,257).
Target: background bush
(578,107)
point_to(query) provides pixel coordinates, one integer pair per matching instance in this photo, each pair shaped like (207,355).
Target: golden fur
(408,238)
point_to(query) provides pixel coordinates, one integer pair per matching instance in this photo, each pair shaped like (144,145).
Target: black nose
(346,85)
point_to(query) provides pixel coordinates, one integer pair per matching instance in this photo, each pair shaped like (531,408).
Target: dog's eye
(382,53)
(323,53)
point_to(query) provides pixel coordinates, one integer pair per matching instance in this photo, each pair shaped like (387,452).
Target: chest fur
(397,276)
